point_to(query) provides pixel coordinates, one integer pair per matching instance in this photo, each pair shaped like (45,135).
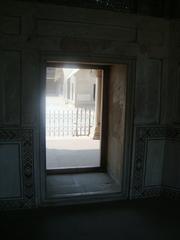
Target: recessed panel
(177,98)
(172,164)
(154,162)
(11,25)
(148,97)
(10,171)
(58,28)
(11,78)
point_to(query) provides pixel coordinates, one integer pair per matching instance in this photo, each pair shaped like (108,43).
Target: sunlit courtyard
(71,119)
(73,152)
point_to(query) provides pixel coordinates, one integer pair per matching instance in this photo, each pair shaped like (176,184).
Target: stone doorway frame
(128,136)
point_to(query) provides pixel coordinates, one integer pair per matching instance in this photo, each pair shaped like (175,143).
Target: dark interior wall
(156,8)
(30,32)
(171,176)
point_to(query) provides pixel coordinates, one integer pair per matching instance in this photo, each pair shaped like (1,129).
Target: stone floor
(129,220)
(82,183)
(72,152)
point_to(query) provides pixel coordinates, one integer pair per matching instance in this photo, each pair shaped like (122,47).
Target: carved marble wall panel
(1,89)
(142,184)
(171,176)
(154,162)
(10,25)
(151,38)
(10,170)
(177,38)
(151,7)
(31,79)
(148,91)
(11,85)
(55,28)
(177,98)
(17,168)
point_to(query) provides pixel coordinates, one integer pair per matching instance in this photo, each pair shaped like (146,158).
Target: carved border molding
(142,135)
(25,138)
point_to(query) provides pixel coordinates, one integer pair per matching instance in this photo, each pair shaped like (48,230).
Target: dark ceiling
(157,8)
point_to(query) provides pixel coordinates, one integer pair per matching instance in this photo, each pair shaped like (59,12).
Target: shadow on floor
(131,220)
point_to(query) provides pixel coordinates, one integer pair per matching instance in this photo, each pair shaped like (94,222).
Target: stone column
(98,105)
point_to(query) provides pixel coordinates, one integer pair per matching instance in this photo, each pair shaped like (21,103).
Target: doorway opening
(84,131)
(74,104)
